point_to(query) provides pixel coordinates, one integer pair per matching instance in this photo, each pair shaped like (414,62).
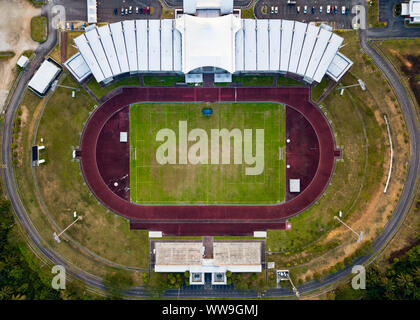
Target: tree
(116,283)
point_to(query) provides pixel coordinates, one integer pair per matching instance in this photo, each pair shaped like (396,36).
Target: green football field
(154,183)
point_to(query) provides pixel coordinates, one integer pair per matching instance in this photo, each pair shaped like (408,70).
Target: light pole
(57,236)
(359,236)
(295,290)
(360,83)
(285,275)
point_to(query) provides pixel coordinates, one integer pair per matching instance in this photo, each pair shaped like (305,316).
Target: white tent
(42,79)
(208,41)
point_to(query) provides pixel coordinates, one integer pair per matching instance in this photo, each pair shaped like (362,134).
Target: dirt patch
(15,35)
(412,71)
(34,118)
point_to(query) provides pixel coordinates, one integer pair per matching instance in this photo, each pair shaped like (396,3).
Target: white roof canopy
(191,6)
(225,42)
(208,41)
(43,77)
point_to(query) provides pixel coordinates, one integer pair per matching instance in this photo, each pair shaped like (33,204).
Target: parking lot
(106,10)
(76,10)
(282,10)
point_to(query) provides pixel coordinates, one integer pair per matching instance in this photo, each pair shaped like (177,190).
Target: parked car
(130,10)
(147,10)
(122,11)
(335,9)
(313,10)
(137,10)
(347,10)
(115,11)
(141,11)
(328,9)
(343,10)
(297,9)
(272,10)
(276,10)
(305,9)
(320,9)
(126,11)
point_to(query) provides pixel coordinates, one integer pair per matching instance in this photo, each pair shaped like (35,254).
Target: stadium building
(208,37)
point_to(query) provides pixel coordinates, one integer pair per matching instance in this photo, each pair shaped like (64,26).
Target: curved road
(404,204)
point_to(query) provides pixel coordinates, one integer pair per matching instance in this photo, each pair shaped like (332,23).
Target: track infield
(154,183)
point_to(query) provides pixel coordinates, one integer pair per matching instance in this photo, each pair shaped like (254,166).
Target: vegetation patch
(99,91)
(162,81)
(101,239)
(39,29)
(253,80)
(4,55)
(318,90)
(155,183)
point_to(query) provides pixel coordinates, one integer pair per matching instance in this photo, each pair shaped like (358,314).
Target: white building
(220,43)
(180,256)
(43,77)
(411,10)
(23,61)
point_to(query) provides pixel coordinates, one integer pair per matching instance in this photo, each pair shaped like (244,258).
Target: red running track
(209,219)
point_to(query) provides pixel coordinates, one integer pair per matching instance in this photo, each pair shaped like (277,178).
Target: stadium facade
(208,37)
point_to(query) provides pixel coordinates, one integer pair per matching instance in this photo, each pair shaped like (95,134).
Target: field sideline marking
(176,114)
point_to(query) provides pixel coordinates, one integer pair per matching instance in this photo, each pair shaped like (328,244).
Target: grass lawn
(285,81)
(248,13)
(373,14)
(405,55)
(100,92)
(154,183)
(164,81)
(38,29)
(254,80)
(320,88)
(63,188)
(307,248)
(71,49)
(4,55)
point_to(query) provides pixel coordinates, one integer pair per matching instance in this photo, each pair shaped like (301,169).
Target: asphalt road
(39,245)
(395,27)
(286,11)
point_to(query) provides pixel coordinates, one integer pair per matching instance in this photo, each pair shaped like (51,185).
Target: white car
(276,10)
(320,9)
(343,10)
(272,9)
(298,9)
(328,9)
(305,9)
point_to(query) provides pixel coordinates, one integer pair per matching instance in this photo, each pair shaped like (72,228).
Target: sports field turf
(154,183)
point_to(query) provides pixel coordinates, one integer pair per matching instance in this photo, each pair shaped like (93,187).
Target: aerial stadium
(197,149)
(117,150)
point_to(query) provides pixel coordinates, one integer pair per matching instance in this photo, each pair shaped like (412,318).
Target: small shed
(294,185)
(23,61)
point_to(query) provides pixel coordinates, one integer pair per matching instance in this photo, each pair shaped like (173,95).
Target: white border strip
(392,154)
